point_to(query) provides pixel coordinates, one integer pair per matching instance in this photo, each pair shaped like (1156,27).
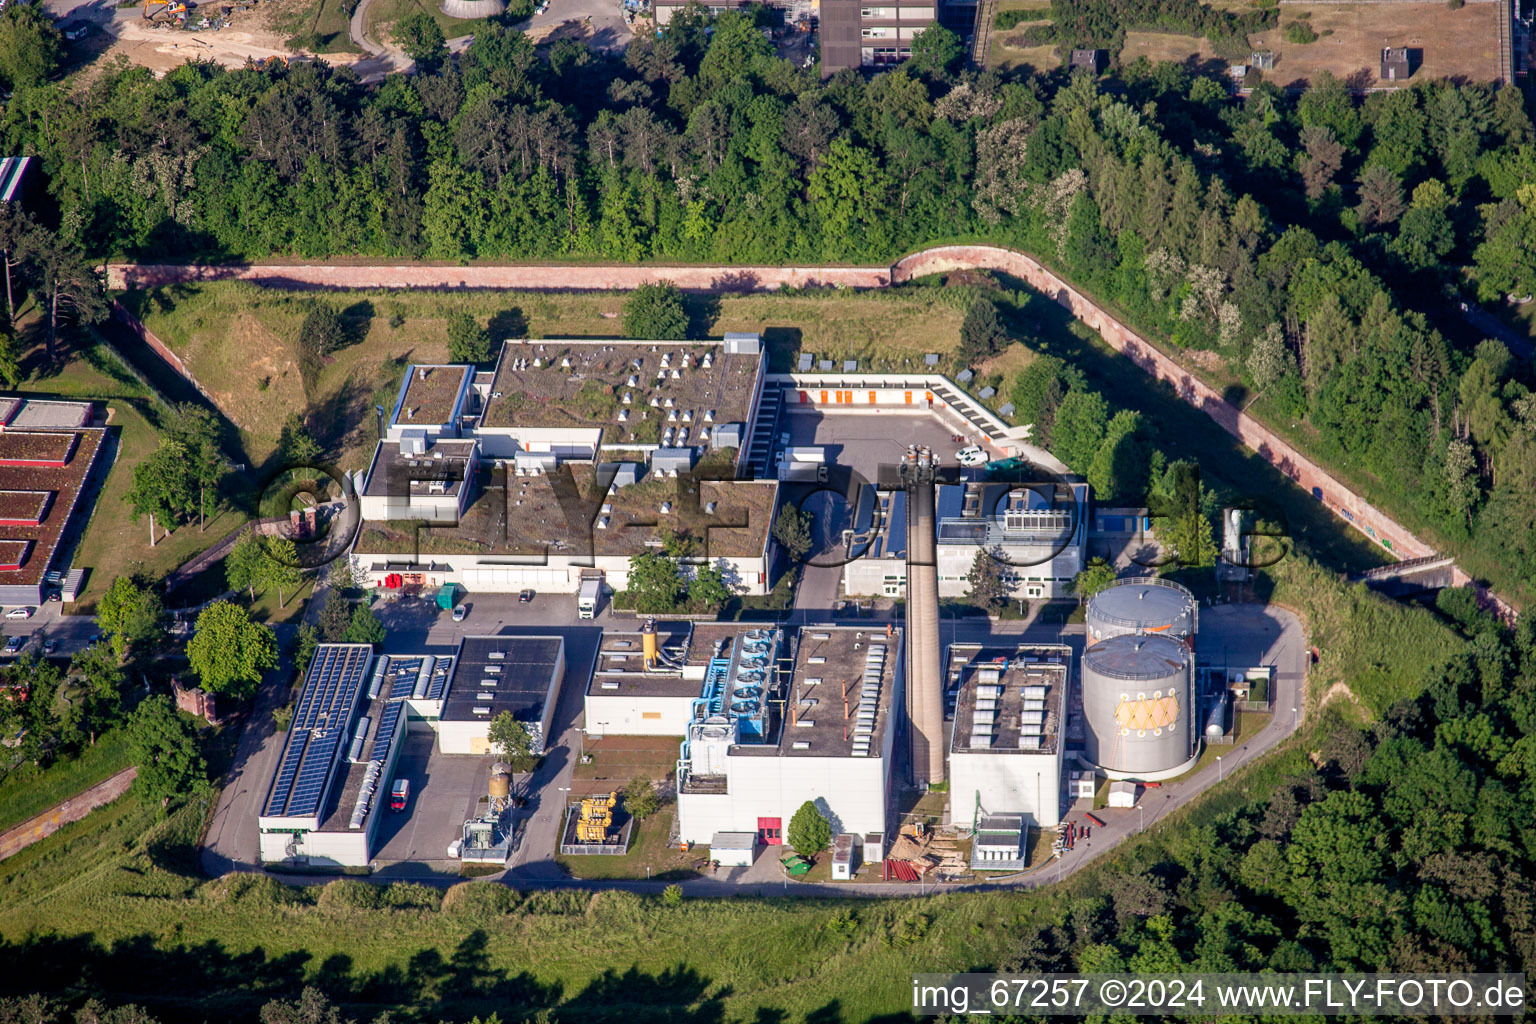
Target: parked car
(19,613)
(524,596)
(14,644)
(399,794)
(459,611)
(50,645)
(971,456)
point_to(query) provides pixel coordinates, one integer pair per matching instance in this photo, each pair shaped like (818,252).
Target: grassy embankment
(27,790)
(319,26)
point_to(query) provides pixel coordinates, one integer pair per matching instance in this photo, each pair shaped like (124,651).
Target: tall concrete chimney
(925,685)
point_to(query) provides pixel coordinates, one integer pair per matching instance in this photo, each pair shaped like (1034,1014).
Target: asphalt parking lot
(445,791)
(866,441)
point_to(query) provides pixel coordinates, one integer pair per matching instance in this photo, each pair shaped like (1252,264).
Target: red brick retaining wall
(532,278)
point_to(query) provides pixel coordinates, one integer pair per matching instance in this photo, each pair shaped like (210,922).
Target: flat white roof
(733,841)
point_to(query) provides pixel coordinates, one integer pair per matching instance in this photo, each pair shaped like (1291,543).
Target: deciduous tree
(229,652)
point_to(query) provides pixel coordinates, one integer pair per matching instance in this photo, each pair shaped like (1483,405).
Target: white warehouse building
(1007,751)
(832,745)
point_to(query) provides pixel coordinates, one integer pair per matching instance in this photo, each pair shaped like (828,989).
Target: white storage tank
(1142,604)
(1138,705)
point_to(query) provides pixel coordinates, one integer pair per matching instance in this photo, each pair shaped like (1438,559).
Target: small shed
(626,473)
(824,365)
(1083,785)
(733,849)
(1091,61)
(727,435)
(1122,794)
(931,359)
(676,460)
(76,29)
(850,366)
(805,363)
(845,856)
(1396,63)
(965,376)
(742,343)
(986,393)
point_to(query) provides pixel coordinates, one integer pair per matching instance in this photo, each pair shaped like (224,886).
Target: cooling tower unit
(1138,705)
(925,688)
(473,8)
(1143,604)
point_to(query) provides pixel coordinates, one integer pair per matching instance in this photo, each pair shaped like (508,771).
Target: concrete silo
(1139,707)
(1142,604)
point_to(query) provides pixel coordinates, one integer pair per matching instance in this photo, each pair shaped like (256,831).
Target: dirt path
(56,817)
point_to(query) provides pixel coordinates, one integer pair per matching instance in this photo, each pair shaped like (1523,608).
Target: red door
(770,831)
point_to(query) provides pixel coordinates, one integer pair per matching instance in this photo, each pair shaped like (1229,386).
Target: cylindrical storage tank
(649,645)
(1216,721)
(1138,705)
(1142,604)
(501,780)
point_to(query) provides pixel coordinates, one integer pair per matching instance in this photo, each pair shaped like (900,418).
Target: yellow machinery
(170,8)
(596,818)
(649,644)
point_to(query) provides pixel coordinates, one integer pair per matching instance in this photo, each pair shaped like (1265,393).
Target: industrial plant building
(564,461)
(752,757)
(1037,532)
(1007,752)
(655,681)
(325,798)
(492,674)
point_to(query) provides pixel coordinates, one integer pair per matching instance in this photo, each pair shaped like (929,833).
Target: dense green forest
(1320,244)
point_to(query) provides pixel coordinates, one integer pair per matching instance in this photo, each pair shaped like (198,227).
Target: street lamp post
(1218,768)
(1143,812)
(1297,723)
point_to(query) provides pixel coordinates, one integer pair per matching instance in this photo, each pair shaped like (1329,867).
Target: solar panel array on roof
(322,720)
(440,673)
(386,733)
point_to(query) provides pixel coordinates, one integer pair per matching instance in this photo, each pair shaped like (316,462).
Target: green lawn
(384,13)
(28,790)
(647,848)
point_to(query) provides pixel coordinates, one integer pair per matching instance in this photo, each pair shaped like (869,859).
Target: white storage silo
(1138,706)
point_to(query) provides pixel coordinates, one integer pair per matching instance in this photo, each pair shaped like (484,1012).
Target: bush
(410,895)
(1007,19)
(480,900)
(672,895)
(1299,32)
(655,312)
(468,342)
(809,830)
(346,894)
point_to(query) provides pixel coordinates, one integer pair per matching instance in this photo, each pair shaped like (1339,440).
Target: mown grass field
(382,14)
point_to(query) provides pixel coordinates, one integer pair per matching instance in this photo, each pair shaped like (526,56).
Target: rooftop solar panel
(322,720)
(386,731)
